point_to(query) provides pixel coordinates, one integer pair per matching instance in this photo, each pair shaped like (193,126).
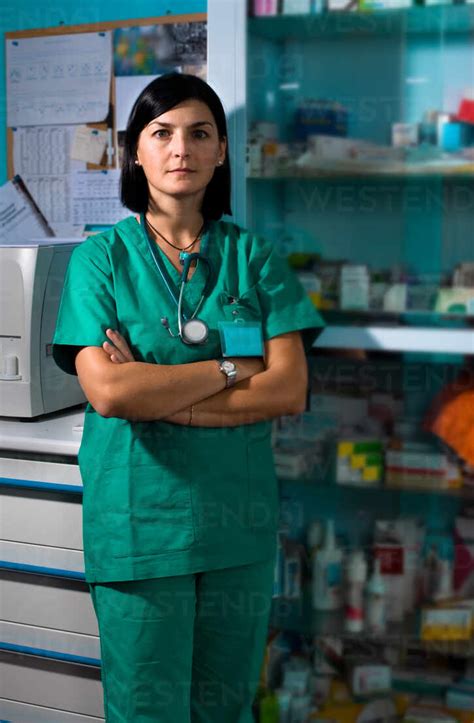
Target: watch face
(228,366)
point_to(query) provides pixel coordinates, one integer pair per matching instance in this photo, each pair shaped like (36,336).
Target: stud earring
(137,162)
(219,163)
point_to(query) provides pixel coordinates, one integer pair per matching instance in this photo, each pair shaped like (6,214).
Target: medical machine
(31,282)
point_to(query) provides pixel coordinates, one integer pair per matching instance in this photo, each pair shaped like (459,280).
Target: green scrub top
(163,499)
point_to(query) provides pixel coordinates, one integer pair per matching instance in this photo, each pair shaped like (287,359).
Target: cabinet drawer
(47,602)
(36,473)
(39,558)
(71,647)
(51,683)
(15,712)
(42,518)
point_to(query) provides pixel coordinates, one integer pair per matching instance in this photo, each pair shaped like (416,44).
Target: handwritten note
(88,144)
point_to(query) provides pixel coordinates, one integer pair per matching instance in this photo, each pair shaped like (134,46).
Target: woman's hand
(118,351)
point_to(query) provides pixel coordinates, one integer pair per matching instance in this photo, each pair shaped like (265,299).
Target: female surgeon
(188,336)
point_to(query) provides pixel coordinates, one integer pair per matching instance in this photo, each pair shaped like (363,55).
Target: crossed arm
(118,386)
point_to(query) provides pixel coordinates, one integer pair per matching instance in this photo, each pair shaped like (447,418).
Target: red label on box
(466,111)
(391,559)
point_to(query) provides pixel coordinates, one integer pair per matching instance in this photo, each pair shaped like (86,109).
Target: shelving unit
(298,616)
(341,171)
(386,67)
(462,493)
(432,20)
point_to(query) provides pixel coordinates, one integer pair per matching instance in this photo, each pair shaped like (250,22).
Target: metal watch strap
(231,374)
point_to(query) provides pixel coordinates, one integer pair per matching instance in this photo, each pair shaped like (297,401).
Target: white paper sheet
(19,220)
(88,144)
(58,79)
(96,197)
(41,156)
(127,90)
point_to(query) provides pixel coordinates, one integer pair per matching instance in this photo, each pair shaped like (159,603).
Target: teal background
(28,14)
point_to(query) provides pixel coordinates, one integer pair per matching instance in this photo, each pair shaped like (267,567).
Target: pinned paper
(88,144)
(96,198)
(58,79)
(42,157)
(20,217)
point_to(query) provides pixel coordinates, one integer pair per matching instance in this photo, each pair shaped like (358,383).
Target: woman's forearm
(139,391)
(255,400)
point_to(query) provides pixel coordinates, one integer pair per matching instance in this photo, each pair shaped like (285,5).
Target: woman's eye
(200,134)
(161,133)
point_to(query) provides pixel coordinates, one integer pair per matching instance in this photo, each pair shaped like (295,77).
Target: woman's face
(180,149)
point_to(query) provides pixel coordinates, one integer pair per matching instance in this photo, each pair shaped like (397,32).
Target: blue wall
(27,14)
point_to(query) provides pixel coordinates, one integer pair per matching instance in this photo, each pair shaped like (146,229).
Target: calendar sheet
(96,198)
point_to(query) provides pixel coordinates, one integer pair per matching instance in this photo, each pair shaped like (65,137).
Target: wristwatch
(230,370)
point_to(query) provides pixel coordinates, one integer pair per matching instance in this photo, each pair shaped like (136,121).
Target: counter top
(57,434)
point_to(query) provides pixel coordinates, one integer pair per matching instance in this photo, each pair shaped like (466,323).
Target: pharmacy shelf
(463,493)
(297,615)
(411,317)
(337,171)
(436,20)
(398,339)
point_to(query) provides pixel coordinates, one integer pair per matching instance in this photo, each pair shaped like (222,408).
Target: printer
(31,282)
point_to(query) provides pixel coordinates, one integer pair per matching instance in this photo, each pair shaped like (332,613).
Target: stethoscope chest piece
(194,331)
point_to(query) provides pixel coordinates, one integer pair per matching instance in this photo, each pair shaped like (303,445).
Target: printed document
(42,157)
(96,198)
(20,219)
(58,79)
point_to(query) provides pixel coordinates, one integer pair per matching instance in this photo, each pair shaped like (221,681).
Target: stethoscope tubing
(188,258)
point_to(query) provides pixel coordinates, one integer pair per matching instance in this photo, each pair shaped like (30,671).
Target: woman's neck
(179,222)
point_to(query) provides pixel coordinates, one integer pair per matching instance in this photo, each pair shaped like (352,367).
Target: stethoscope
(192,330)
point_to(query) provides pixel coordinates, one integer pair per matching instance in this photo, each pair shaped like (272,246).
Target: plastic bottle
(444,586)
(375,609)
(356,577)
(327,573)
(314,538)
(269,709)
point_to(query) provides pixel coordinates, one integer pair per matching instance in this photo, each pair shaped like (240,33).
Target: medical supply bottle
(327,573)
(355,579)
(314,538)
(376,602)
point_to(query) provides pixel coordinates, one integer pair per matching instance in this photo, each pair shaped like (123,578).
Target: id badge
(241,338)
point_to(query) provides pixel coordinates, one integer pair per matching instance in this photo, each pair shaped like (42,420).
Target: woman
(180,496)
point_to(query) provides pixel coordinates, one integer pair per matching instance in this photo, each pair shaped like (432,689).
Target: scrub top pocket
(245,307)
(241,325)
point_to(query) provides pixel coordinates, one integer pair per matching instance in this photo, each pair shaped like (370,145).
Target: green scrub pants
(184,649)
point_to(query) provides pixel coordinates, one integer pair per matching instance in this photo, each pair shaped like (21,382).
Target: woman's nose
(180,146)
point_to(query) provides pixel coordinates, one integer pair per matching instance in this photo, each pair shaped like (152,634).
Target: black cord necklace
(179,248)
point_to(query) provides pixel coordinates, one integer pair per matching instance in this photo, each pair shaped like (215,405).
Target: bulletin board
(71,168)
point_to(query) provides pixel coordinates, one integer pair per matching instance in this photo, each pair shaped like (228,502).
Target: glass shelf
(403,172)
(398,339)
(298,615)
(411,317)
(463,493)
(452,19)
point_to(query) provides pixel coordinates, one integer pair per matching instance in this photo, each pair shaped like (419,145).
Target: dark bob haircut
(160,96)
